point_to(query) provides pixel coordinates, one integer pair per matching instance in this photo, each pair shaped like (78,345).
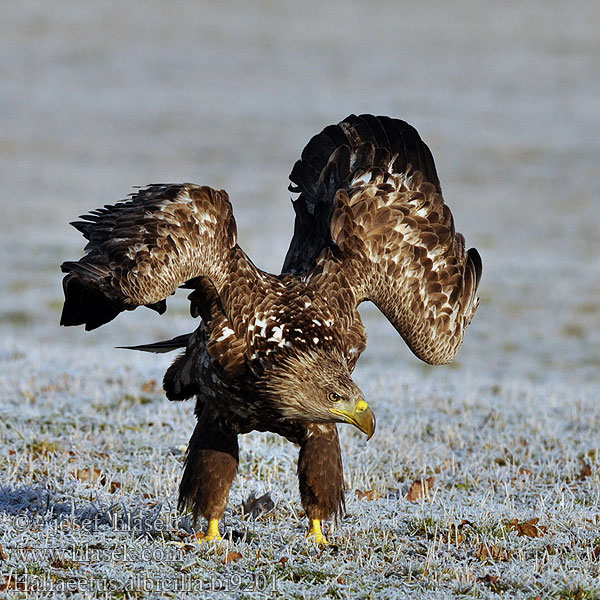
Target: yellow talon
(212,532)
(315,532)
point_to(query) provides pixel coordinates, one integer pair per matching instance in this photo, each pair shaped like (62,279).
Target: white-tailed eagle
(276,352)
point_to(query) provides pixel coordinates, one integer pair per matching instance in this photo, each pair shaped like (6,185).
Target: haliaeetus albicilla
(276,352)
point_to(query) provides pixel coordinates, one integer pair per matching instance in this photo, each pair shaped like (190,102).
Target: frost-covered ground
(97,97)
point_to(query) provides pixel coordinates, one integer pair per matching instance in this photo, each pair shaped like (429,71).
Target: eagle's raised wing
(140,250)
(371,223)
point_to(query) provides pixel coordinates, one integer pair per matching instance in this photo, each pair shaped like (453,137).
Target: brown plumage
(276,352)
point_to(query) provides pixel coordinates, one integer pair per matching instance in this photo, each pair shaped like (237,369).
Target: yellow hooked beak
(361,417)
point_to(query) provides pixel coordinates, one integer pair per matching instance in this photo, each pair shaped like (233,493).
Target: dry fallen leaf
(11,582)
(529,528)
(523,472)
(455,534)
(586,471)
(93,474)
(492,552)
(3,555)
(149,386)
(232,557)
(283,560)
(369,495)
(419,489)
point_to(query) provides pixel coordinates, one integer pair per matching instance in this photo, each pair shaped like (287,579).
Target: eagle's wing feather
(140,250)
(371,222)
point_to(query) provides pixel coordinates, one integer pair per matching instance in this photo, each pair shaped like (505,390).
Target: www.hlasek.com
(89,554)
(140,582)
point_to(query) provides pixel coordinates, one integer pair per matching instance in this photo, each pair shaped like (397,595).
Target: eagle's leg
(321,476)
(210,466)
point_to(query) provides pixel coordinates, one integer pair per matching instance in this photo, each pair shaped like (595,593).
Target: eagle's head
(315,386)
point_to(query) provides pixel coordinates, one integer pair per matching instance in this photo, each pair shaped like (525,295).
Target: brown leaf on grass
(149,386)
(419,489)
(455,535)
(283,560)
(232,557)
(523,472)
(528,528)
(3,555)
(492,552)
(93,474)
(12,582)
(586,471)
(43,448)
(342,580)
(369,495)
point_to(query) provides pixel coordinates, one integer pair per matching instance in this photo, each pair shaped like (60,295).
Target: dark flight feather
(180,341)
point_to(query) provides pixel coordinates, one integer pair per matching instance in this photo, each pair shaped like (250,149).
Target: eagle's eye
(335,397)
